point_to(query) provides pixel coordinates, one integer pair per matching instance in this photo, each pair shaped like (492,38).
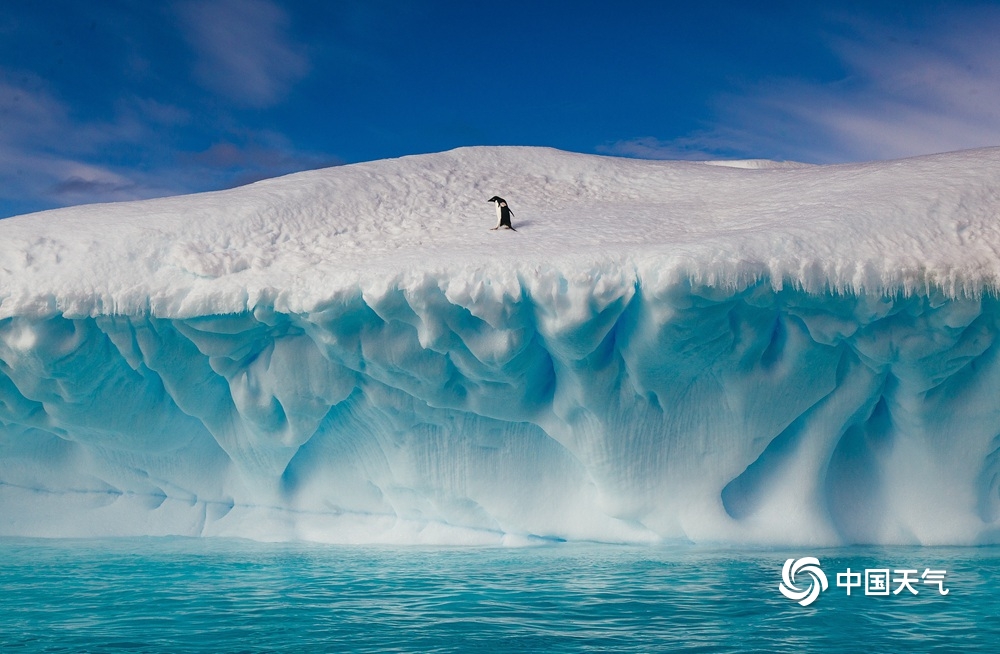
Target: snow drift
(664,350)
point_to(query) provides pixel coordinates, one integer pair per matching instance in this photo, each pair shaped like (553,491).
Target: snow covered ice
(743,353)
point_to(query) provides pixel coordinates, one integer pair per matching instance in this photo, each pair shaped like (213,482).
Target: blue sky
(104,101)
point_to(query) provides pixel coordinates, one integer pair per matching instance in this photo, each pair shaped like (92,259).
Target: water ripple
(167,595)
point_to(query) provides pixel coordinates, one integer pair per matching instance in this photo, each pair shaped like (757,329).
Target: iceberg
(664,351)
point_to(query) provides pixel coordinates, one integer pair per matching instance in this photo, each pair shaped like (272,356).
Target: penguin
(503,213)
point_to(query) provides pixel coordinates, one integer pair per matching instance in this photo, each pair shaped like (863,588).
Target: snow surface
(740,353)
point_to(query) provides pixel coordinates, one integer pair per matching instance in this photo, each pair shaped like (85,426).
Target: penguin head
(497,199)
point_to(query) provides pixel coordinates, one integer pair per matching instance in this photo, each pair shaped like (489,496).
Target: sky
(121,100)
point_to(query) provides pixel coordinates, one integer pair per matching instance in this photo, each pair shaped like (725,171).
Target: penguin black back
(503,213)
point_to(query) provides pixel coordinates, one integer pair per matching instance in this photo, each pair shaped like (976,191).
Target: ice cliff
(748,353)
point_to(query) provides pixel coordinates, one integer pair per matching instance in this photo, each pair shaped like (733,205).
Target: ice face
(631,392)
(657,413)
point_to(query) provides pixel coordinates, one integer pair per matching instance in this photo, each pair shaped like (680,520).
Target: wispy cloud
(46,156)
(929,87)
(80,182)
(243,48)
(699,146)
(50,158)
(914,92)
(26,108)
(256,156)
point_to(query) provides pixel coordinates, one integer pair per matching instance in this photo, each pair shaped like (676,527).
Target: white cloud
(908,91)
(650,147)
(243,49)
(33,125)
(49,158)
(45,154)
(916,93)
(707,144)
(26,110)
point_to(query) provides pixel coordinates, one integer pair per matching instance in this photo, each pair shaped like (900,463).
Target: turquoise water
(191,595)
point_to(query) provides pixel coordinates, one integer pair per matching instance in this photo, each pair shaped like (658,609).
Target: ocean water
(216,595)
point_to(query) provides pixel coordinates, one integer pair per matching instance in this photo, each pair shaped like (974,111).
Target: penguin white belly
(499,214)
